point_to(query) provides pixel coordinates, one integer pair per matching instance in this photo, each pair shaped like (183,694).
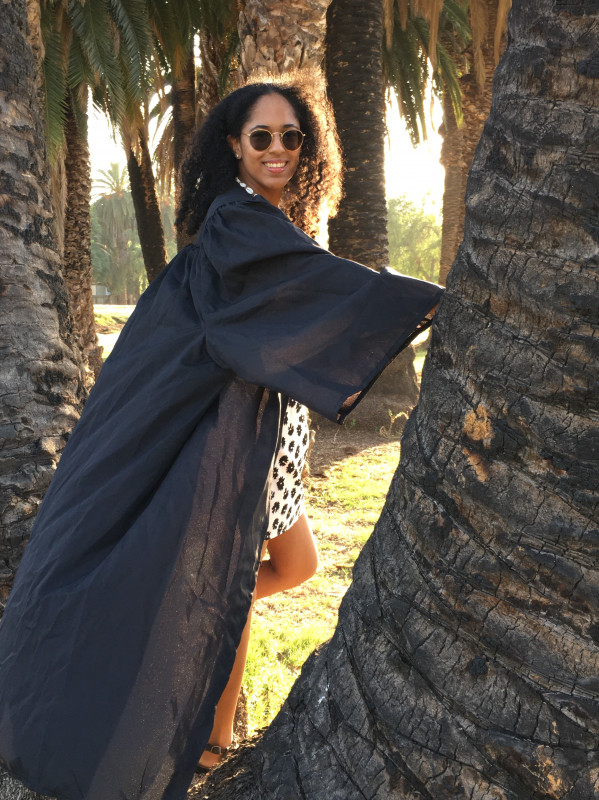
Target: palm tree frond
(406,67)
(164,158)
(79,108)
(479,23)
(503,8)
(404,7)
(447,81)
(93,25)
(435,9)
(388,22)
(454,19)
(128,16)
(229,55)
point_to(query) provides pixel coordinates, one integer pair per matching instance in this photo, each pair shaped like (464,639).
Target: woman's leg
(222,729)
(293,558)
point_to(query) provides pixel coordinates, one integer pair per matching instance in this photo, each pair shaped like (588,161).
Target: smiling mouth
(275,164)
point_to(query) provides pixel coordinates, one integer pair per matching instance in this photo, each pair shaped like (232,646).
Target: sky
(415,173)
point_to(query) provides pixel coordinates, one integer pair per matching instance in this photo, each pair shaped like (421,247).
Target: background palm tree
(276,37)
(465,660)
(102,46)
(116,251)
(461,136)
(213,24)
(354,70)
(369,52)
(398,49)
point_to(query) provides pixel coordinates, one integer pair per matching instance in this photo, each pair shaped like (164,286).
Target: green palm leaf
(407,63)
(93,26)
(129,17)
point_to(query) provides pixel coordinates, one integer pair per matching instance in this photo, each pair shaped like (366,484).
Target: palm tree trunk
(466,656)
(41,390)
(354,71)
(459,144)
(77,261)
(184,115)
(276,37)
(210,68)
(147,208)
(456,173)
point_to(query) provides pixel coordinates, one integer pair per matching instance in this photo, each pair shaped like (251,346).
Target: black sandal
(211,748)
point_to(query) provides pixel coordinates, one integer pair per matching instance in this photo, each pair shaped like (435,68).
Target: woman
(130,604)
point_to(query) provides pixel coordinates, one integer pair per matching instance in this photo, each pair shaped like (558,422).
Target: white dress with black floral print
(286,488)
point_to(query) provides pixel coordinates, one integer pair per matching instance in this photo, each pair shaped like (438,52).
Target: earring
(237,155)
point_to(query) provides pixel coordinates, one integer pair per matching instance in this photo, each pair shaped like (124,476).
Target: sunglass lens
(292,140)
(260,140)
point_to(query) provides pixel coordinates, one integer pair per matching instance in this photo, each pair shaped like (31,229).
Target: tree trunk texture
(456,173)
(41,392)
(277,37)
(354,72)
(184,115)
(211,63)
(147,208)
(77,259)
(466,659)
(460,143)
(58,181)
(41,389)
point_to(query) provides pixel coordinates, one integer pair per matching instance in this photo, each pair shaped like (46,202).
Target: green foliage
(407,64)
(102,44)
(116,252)
(414,240)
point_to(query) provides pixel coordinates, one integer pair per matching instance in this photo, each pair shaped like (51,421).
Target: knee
(311,564)
(297,569)
(294,558)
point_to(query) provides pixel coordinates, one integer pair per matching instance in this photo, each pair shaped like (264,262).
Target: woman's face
(267,171)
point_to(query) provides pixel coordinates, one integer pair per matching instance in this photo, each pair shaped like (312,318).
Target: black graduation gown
(123,623)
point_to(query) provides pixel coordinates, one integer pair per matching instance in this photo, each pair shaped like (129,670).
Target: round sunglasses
(262,138)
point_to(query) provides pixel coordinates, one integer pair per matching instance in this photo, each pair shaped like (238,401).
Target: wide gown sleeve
(282,312)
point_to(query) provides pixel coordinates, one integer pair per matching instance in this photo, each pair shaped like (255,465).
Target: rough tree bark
(77,258)
(147,208)
(211,51)
(460,143)
(453,160)
(354,72)
(40,372)
(277,37)
(466,657)
(184,117)
(41,389)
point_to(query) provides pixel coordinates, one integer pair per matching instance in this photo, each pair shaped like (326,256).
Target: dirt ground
(334,443)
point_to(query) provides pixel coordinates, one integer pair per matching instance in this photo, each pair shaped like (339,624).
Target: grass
(343,503)
(110,319)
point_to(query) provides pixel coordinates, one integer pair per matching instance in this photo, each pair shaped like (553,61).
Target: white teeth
(274,163)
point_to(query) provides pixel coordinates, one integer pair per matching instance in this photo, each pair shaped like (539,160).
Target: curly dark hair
(210,167)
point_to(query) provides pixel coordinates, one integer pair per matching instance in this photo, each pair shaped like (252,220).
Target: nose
(277,142)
